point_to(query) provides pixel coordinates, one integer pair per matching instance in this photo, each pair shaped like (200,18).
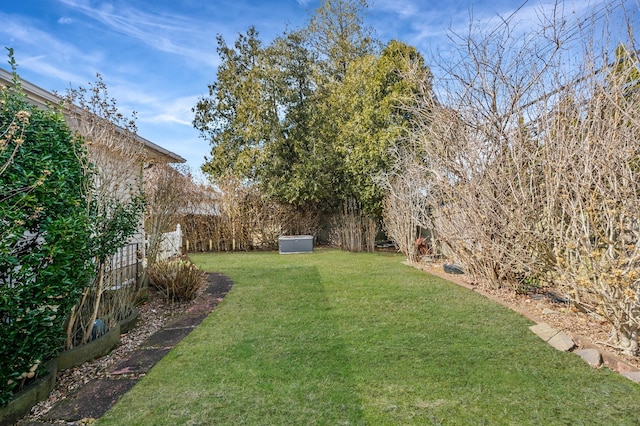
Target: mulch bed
(87,391)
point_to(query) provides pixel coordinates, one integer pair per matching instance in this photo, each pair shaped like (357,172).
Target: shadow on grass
(341,338)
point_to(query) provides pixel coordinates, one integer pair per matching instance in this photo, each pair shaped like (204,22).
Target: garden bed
(32,394)
(149,318)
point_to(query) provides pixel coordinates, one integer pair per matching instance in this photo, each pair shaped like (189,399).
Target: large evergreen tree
(310,117)
(237,116)
(336,32)
(371,119)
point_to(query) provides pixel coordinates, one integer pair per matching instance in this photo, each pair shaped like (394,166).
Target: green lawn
(336,338)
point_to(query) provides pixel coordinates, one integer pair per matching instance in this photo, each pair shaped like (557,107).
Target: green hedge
(44,261)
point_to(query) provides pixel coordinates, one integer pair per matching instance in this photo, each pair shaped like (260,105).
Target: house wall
(118,156)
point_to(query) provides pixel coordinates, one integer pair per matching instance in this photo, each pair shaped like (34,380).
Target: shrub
(114,201)
(43,236)
(176,279)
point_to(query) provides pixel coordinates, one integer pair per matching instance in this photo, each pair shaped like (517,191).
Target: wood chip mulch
(154,313)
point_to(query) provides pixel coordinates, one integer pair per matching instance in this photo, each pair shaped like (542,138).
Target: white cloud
(65,20)
(405,9)
(152,107)
(41,65)
(24,32)
(176,111)
(46,54)
(164,32)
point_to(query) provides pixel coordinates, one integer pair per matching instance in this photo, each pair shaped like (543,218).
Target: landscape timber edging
(24,400)
(40,389)
(91,350)
(129,322)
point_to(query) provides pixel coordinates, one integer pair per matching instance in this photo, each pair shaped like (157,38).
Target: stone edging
(549,334)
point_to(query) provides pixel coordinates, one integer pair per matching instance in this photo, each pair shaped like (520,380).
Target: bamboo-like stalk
(96,303)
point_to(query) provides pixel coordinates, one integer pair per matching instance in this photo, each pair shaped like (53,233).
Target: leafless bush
(114,197)
(352,230)
(176,279)
(405,206)
(594,177)
(238,217)
(170,194)
(533,159)
(479,155)
(269,219)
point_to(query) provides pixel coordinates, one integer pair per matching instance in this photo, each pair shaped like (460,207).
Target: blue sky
(158,56)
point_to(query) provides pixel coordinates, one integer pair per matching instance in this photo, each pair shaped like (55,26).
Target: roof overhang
(43,98)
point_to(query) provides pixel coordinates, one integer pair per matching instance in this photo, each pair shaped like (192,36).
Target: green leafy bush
(177,279)
(43,236)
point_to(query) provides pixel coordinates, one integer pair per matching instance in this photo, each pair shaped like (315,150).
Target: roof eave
(43,98)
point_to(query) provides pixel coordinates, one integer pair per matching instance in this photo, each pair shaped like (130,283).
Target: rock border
(565,341)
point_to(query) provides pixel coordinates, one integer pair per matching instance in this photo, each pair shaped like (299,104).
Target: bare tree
(171,194)
(405,206)
(115,200)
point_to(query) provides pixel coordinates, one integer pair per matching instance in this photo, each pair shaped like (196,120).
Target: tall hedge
(44,262)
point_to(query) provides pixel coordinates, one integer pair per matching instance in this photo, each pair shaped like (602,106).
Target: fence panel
(125,267)
(170,245)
